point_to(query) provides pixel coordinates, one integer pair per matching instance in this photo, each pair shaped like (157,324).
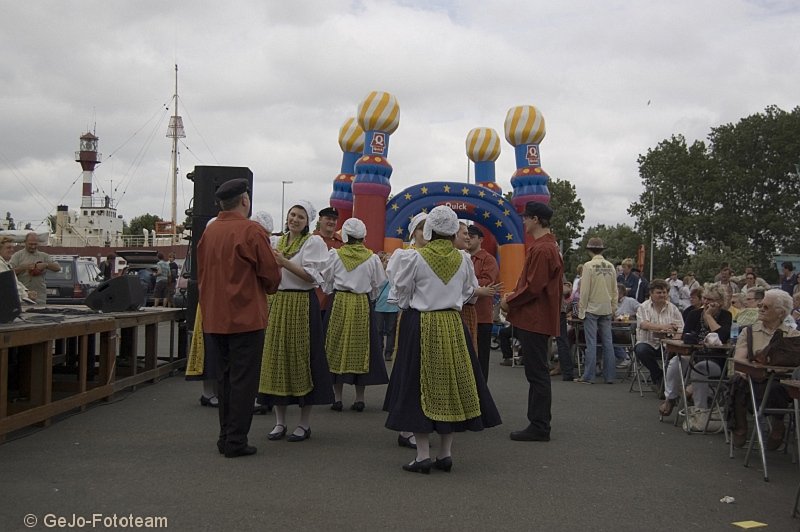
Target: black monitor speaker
(10,306)
(207,179)
(120,294)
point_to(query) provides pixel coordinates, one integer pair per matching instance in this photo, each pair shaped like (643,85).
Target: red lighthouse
(89,158)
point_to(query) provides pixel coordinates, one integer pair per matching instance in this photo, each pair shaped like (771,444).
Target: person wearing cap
(236,270)
(354,275)
(487,273)
(294,369)
(534,308)
(326,229)
(436,384)
(30,266)
(596,308)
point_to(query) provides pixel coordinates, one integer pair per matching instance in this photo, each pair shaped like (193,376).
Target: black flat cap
(538,209)
(231,189)
(330,212)
(474,230)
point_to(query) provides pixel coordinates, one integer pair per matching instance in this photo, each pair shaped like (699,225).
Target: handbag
(706,420)
(780,351)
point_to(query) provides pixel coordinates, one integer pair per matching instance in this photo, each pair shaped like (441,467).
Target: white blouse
(366,278)
(312,257)
(415,285)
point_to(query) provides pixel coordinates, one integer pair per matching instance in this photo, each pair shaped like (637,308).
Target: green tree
(621,241)
(739,192)
(145,221)
(568,215)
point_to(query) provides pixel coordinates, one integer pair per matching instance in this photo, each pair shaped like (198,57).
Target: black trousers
(534,347)
(649,357)
(484,347)
(238,361)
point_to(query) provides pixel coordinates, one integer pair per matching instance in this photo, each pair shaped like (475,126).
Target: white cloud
(267,85)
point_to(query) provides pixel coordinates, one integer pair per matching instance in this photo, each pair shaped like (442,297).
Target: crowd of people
(292,324)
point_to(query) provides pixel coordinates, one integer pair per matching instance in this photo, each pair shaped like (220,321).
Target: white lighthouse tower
(96,223)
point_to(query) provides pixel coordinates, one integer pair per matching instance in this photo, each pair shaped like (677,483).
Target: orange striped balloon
(379,111)
(351,136)
(524,125)
(483,144)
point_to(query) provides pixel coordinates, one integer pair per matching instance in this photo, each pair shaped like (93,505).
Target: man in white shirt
(656,315)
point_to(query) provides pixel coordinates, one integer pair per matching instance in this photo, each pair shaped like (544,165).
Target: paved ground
(610,466)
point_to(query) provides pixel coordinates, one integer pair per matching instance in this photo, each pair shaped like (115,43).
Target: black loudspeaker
(120,294)
(207,179)
(10,306)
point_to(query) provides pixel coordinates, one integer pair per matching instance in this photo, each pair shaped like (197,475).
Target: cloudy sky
(267,84)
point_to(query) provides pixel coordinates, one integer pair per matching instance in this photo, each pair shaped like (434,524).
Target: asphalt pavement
(611,465)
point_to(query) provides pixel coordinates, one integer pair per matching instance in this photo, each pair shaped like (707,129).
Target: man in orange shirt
(236,269)
(533,308)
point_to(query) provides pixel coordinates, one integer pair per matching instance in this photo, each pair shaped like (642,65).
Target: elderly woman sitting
(710,318)
(772,312)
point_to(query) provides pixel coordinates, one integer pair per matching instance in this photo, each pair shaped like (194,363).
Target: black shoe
(212,401)
(277,435)
(221,446)
(569,378)
(261,410)
(358,406)
(529,435)
(294,437)
(444,464)
(247,450)
(405,442)
(423,467)
(337,406)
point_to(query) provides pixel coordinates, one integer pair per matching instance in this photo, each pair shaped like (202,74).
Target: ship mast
(175,131)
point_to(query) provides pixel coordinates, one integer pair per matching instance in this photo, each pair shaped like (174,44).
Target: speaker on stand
(207,179)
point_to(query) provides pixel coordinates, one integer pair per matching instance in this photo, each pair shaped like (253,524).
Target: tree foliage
(736,197)
(145,221)
(621,241)
(568,214)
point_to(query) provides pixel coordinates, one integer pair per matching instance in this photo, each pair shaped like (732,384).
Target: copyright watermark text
(96,520)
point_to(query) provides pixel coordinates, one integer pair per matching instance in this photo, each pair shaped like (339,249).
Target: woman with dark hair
(437,384)
(710,318)
(294,369)
(695,302)
(354,275)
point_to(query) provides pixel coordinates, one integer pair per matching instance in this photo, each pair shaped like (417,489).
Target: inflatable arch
(363,186)
(471,202)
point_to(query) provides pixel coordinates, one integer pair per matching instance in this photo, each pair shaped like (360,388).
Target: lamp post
(283,191)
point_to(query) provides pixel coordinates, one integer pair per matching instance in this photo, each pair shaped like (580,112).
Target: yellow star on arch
(486,214)
(498,223)
(425,210)
(465,191)
(399,230)
(481,193)
(500,201)
(447,188)
(509,236)
(424,190)
(407,196)
(394,206)
(506,212)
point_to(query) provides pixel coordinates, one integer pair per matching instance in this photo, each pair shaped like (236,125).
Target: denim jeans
(592,324)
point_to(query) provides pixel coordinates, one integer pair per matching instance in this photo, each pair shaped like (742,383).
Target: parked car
(78,278)
(137,260)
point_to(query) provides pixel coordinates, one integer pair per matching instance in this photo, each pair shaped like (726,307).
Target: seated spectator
(729,288)
(749,314)
(626,310)
(695,301)
(628,278)
(642,287)
(737,304)
(656,315)
(789,278)
(796,309)
(772,312)
(750,280)
(710,318)
(690,283)
(675,286)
